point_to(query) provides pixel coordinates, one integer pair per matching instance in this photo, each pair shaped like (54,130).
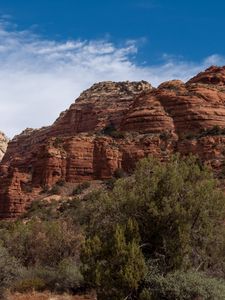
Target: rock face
(3,144)
(110,126)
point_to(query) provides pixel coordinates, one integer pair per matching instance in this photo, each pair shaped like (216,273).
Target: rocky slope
(112,125)
(3,144)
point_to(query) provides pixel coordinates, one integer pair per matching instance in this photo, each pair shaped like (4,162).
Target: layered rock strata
(110,126)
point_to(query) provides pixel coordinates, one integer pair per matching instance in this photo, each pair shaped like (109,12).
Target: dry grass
(47,296)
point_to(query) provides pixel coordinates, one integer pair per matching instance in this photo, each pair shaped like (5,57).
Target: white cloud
(40,78)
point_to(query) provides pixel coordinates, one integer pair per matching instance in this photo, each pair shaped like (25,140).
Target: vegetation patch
(111,130)
(154,235)
(80,188)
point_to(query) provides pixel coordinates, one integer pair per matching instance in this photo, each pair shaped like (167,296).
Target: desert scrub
(64,277)
(9,270)
(111,130)
(182,285)
(80,188)
(55,190)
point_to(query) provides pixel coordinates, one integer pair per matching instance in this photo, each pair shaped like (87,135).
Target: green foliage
(146,294)
(179,205)
(28,285)
(110,183)
(43,210)
(170,214)
(179,212)
(81,187)
(65,277)
(52,210)
(182,285)
(57,142)
(9,270)
(42,243)
(55,190)
(113,132)
(61,182)
(47,251)
(119,173)
(117,134)
(165,135)
(117,262)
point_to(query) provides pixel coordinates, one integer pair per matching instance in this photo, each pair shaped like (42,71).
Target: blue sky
(50,50)
(190,28)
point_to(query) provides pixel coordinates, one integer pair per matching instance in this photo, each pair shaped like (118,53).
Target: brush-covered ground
(158,234)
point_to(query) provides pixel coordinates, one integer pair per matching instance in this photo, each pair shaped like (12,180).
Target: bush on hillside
(65,277)
(179,212)
(55,190)
(80,188)
(43,243)
(170,214)
(111,130)
(9,270)
(43,210)
(181,285)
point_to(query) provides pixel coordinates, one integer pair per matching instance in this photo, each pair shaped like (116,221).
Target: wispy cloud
(39,78)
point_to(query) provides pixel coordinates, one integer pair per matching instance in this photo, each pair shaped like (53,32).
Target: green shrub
(182,285)
(119,173)
(113,132)
(165,135)
(68,208)
(61,182)
(118,134)
(58,141)
(65,277)
(45,189)
(52,210)
(80,188)
(108,129)
(110,183)
(146,294)
(43,243)
(115,266)
(179,211)
(9,270)
(43,210)
(55,190)
(28,285)
(170,214)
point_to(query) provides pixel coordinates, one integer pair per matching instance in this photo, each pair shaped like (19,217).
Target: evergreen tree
(115,266)
(171,212)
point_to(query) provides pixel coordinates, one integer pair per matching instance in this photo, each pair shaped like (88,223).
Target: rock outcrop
(112,125)
(3,144)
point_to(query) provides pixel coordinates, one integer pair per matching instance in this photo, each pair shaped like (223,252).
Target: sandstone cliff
(112,125)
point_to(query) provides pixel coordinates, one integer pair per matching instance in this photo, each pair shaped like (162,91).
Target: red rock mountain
(112,125)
